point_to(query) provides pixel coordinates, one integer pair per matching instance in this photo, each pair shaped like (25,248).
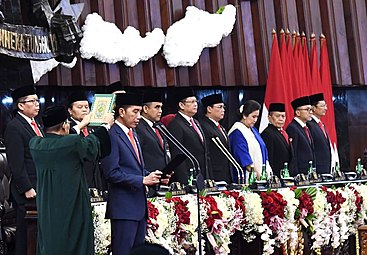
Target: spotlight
(7,100)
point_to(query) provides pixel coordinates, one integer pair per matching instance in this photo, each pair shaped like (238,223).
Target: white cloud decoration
(105,42)
(40,68)
(186,38)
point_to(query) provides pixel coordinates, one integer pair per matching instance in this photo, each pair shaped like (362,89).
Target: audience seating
(7,212)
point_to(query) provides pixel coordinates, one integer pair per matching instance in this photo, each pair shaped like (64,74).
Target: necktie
(85,131)
(305,128)
(35,128)
(133,143)
(321,125)
(221,130)
(196,129)
(285,135)
(159,137)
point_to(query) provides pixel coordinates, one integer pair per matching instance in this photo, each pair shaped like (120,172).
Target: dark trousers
(126,234)
(21,233)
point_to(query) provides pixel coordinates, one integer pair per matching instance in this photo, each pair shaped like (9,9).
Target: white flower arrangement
(105,42)
(102,229)
(333,223)
(186,38)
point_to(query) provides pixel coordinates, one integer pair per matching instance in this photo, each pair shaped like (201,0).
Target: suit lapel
(126,140)
(26,125)
(151,132)
(188,126)
(217,131)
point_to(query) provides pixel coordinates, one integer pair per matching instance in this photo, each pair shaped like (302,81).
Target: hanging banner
(28,42)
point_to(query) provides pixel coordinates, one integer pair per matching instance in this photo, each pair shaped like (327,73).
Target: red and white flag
(328,95)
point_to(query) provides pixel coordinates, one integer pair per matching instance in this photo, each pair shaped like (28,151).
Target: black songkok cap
(212,99)
(152,97)
(316,98)
(76,96)
(54,115)
(300,102)
(22,92)
(276,107)
(129,99)
(183,93)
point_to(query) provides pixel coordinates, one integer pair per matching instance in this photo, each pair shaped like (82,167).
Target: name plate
(288,182)
(301,179)
(178,192)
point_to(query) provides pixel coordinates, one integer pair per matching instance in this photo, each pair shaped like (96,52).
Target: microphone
(224,150)
(199,178)
(184,150)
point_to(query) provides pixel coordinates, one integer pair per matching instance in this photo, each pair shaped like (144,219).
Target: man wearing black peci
(301,141)
(276,139)
(319,134)
(153,145)
(188,131)
(18,133)
(214,112)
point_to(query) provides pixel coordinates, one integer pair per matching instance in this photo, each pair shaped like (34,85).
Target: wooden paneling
(242,58)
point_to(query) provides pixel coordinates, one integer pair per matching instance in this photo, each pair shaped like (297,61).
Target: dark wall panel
(242,58)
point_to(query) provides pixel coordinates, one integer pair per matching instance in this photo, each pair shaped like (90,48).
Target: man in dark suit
(188,131)
(126,175)
(78,108)
(18,133)
(300,136)
(214,112)
(319,134)
(276,138)
(154,146)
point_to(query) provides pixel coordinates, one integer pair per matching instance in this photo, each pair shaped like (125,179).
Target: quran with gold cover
(102,104)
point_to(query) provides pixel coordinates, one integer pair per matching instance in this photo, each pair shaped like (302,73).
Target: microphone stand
(196,167)
(231,159)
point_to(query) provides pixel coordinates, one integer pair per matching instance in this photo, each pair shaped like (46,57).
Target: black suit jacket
(302,148)
(220,164)
(155,157)
(279,151)
(186,134)
(18,133)
(321,148)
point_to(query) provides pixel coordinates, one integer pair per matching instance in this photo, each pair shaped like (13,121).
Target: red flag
(287,73)
(299,66)
(315,73)
(306,66)
(328,95)
(275,83)
(293,70)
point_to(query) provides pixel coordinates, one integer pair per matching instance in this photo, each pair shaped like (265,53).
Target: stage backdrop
(242,58)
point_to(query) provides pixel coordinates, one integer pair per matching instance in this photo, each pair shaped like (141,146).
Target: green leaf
(297,193)
(168,195)
(220,10)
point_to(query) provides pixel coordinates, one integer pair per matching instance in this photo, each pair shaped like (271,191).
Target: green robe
(65,225)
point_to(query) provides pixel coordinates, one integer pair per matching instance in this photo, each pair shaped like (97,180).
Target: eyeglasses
(321,105)
(33,101)
(219,106)
(305,109)
(190,101)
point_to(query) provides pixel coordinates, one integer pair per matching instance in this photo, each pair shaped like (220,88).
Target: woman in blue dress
(247,146)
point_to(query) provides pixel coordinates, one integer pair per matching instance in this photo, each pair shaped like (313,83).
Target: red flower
(305,203)
(183,214)
(152,214)
(239,199)
(213,211)
(273,204)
